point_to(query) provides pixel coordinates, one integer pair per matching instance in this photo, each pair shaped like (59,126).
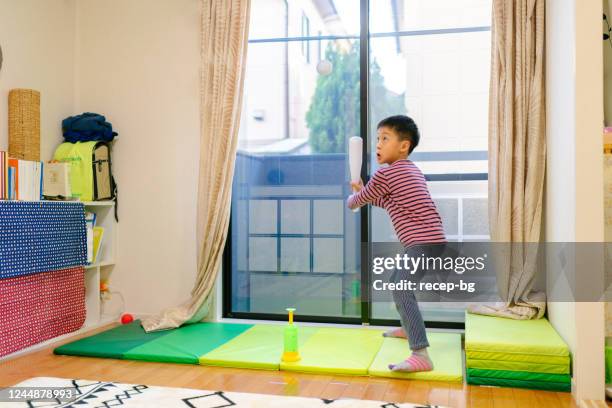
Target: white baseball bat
(355,156)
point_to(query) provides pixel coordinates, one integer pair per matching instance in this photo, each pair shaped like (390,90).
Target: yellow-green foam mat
(444,351)
(187,343)
(498,334)
(337,351)
(260,347)
(517,366)
(517,357)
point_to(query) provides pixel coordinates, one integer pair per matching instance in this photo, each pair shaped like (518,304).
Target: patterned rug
(86,393)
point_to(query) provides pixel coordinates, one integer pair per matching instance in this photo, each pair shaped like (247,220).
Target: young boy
(400,188)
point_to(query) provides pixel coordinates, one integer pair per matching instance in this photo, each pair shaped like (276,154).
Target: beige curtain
(224,35)
(517,153)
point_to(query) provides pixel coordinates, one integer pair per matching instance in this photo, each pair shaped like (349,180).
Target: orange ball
(127,318)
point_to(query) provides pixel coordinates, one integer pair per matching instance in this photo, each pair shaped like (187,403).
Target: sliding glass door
(430,60)
(319,72)
(293,243)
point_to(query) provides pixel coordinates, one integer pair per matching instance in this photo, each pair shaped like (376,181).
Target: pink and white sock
(418,361)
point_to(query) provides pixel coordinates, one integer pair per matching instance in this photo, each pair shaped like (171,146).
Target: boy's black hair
(405,127)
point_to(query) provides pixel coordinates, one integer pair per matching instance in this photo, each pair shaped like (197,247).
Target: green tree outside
(333,115)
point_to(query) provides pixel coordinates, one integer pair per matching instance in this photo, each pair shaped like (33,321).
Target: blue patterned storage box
(40,236)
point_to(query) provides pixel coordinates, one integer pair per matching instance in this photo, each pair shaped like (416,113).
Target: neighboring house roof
(331,19)
(329,14)
(287,146)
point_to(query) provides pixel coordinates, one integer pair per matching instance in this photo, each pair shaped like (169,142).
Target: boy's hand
(357,186)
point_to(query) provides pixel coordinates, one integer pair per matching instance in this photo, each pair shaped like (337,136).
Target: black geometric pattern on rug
(125,395)
(206,401)
(84,389)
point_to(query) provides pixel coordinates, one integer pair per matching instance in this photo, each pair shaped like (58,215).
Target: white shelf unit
(103,267)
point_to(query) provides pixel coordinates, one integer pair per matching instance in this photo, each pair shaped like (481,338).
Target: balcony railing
(289,220)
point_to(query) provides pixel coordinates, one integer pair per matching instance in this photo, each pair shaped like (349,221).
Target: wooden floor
(45,363)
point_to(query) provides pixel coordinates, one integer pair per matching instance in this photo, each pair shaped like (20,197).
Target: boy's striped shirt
(401,189)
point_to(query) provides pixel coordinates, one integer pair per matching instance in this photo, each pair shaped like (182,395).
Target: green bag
(90,169)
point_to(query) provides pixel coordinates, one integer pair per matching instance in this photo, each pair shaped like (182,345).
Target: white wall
(589,365)
(560,160)
(574,189)
(607,49)
(37,40)
(138,63)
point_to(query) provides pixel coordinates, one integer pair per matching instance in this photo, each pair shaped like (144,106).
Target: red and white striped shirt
(401,189)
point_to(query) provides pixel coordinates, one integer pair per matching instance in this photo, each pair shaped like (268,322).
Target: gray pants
(405,301)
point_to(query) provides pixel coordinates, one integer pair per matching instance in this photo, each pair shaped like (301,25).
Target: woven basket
(24,124)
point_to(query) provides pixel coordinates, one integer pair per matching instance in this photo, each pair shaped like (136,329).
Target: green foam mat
(519,375)
(516,357)
(187,343)
(337,351)
(534,385)
(514,366)
(113,343)
(608,357)
(498,334)
(322,349)
(261,347)
(444,350)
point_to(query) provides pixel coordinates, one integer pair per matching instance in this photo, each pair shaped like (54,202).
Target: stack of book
(20,179)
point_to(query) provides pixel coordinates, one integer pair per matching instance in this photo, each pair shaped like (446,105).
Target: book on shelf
(22,179)
(56,178)
(98,234)
(90,223)
(3,175)
(90,236)
(90,219)
(13,165)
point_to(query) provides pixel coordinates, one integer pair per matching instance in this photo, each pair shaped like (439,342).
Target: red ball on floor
(127,318)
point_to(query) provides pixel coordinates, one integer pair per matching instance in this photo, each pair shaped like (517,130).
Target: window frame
(365,221)
(306,33)
(320,47)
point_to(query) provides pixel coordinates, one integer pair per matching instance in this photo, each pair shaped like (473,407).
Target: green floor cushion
(608,357)
(444,350)
(260,347)
(338,351)
(187,343)
(113,343)
(497,334)
(520,366)
(535,385)
(519,375)
(517,357)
